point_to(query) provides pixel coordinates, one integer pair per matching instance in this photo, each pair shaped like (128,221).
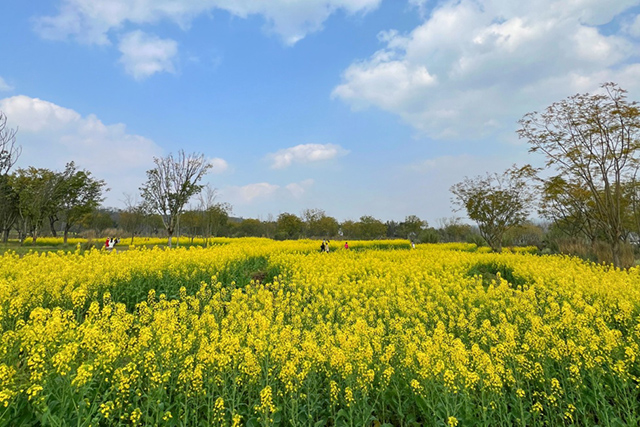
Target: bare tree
(9,154)
(9,151)
(592,141)
(215,215)
(171,184)
(133,216)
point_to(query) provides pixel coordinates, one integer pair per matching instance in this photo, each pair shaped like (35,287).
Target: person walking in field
(346,245)
(322,247)
(106,244)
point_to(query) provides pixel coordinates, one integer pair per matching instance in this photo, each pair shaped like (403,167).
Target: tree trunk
(5,235)
(52,224)
(132,234)
(616,253)
(66,234)
(170,233)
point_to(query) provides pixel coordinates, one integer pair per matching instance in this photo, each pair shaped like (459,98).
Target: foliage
(78,193)
(592,142)
(289,226)
(496,202)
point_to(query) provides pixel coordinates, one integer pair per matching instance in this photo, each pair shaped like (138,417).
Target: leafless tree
(171,184)
(9,151)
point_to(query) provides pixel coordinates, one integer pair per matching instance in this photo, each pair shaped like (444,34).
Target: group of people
(324,246)
(111,242)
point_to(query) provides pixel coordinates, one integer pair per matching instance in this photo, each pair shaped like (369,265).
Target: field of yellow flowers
(262,333)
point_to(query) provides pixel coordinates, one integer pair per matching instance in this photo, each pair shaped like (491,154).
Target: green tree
(289,226)
(38,192)
(171,184)
(371,228)
(250,227)
(350,229)
(411,227)
(592,142)
(496,202)
(77,194)
(318,224)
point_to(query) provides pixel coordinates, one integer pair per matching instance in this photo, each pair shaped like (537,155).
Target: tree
(214,215)
(411,227)
(37,191)
(132,217)
(191,221)
(9,154)
(318,224)
(371,228)
(9,205)
(496,202)
(592,142)
(350,229)
(171,184)
(289,226)
(77,194)
(453,230)
(99,220)
(569,206)
(249,227)
(9,151)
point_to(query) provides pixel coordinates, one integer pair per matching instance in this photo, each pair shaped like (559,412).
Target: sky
(355,107)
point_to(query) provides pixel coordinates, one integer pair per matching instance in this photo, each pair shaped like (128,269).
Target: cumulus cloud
(51,136)
(218,165)
(472,68)
(298,189)
(90,21)
(633,27)
(250,192)
(144,55)
(4,86)
(305,153)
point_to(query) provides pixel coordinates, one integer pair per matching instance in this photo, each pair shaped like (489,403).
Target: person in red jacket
(346,245)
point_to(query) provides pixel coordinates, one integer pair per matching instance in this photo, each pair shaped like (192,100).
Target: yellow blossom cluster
(257,332)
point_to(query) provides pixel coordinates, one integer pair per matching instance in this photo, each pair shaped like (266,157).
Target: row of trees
(589,186)
(33,197)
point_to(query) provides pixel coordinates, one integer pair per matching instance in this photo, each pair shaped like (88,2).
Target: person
(110,244)
(326,247)
(413,245)
(322,249)
(346,245)
(106,244)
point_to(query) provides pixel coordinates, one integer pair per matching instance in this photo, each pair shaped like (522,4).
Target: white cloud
(305,153)
(4,86)
(51,136)
(474,67)
(250,192)
(144,55)
(90,21)
(298,189)
(633,27)
(218,165)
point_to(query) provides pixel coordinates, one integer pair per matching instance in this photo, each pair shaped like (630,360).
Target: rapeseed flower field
(262,333)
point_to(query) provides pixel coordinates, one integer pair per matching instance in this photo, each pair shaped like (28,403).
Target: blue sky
(357,107)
